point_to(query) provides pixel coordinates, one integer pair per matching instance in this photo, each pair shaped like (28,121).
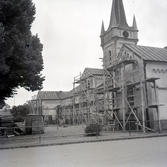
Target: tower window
(110,58)
(125,34)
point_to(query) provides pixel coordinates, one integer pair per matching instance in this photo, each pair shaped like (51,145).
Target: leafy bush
(93,129)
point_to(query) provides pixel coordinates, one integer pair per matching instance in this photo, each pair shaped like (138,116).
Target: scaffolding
(122,99)
(84,100)
(84,105)
(125,93)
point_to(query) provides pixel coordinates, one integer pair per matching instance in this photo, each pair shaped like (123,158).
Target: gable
(88,72)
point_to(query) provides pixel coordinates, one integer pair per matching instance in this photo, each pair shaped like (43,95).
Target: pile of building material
(8,128)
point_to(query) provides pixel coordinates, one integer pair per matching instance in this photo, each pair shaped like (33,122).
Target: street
(147,152)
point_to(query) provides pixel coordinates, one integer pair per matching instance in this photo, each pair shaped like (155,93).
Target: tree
(21,59)
(19,112)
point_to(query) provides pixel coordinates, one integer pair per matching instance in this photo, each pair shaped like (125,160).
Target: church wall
(159,70)
(109,54)
(163,101)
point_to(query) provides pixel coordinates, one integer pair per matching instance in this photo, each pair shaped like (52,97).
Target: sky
(69,31)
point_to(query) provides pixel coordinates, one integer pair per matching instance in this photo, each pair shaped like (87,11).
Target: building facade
(47,101)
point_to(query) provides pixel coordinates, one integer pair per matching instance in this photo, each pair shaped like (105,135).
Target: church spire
(134,23)
(102,29)
(118,17)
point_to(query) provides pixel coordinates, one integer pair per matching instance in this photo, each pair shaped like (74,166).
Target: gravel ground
(147,152)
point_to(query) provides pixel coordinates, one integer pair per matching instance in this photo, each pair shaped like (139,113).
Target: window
(110,58)
(88,84)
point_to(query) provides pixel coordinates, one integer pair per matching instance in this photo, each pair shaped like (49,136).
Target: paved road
(148,152)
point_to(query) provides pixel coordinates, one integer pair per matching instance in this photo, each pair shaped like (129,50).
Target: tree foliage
(19,112)
(21,59)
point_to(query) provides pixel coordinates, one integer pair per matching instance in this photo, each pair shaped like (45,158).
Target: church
(130,89)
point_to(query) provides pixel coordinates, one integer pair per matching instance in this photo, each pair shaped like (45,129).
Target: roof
(96,71)
(149,53)
(92,72)
(72,92)
(68,94)
(50,95)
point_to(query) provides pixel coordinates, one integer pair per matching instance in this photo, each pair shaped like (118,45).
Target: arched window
(110,58)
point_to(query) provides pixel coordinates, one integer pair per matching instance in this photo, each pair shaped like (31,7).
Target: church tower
(117,34)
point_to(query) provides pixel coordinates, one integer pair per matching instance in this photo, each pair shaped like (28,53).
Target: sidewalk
(50,140)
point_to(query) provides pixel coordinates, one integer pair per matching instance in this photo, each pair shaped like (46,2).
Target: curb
(78,142)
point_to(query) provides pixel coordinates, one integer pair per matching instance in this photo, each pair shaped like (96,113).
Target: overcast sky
(70,30)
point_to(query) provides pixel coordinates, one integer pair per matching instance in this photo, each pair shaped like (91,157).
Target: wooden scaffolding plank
(151,79)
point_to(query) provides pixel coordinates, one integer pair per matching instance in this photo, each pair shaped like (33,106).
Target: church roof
(50,95)
(149,53)
(118,17)
(96,71)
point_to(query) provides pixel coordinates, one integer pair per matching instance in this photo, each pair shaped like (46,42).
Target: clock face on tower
(125,34)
